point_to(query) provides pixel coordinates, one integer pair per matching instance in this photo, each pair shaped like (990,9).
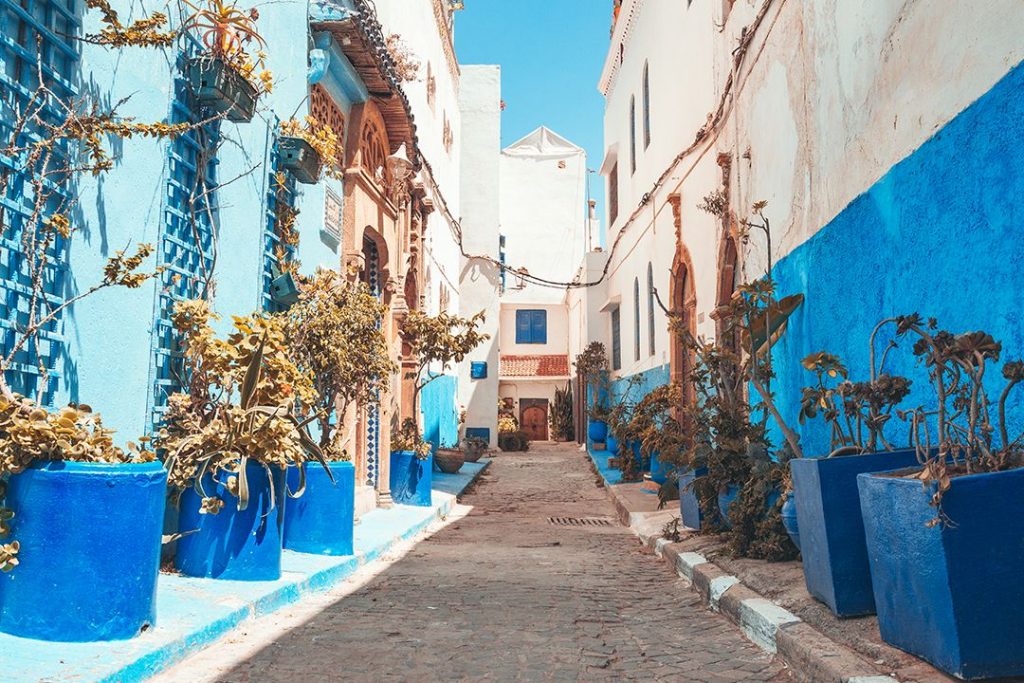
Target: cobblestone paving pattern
(505,595)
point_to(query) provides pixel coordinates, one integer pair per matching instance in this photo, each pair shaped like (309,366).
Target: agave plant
(225,30)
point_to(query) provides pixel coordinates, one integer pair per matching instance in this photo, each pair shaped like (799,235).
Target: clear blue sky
(551,53)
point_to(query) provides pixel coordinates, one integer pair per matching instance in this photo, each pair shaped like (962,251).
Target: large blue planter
(90,538)
(689,505)
(726,498)
(411,478)
(611,444)
(243,546)
(950,593)
(835,558)
(321,520)
(659,471)
(597,431)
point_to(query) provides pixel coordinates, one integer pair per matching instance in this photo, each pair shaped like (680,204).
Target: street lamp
(401,169)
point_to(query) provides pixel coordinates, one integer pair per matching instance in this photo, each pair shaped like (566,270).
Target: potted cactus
(335,336)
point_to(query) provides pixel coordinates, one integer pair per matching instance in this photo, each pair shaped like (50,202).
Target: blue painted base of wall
(835,557)
(232,544)
(90,551)
(950,594)
(196,612)
(321,521)
(610,475)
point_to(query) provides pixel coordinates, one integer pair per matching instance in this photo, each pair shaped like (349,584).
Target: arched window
(632,135)
(647,106)
(650,309)
(636,318)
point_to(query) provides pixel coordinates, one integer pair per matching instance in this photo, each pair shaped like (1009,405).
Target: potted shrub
(825,492)
(306,149)
(438,340)
(229,441)
(563,427)
(592,368)
(944,538)
(335,337)
(225,79)
(80,518)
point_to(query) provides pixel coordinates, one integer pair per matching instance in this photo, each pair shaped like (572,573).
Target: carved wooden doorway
(533,418)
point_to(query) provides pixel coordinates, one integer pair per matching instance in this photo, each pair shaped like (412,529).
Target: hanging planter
(321,521)
(300,158)
(220,89)
(284,289)
(90,538)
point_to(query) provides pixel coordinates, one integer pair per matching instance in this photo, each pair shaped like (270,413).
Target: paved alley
(506,595)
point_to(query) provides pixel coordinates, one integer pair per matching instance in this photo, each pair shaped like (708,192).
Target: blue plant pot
(950,593)
(835,557)
(659,471)
(611,444)
(411,478)
(90,539)
(322,519)
(643,462)
(689,505)
(232,544)
(725,501)
(597,431)
(789,520)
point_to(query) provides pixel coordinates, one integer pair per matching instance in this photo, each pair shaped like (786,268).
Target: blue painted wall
(440,411)
(646,382)
(109,359)
(939,234)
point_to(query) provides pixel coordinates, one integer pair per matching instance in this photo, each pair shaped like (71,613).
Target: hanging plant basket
(284,290)
(220,89)
(299,158)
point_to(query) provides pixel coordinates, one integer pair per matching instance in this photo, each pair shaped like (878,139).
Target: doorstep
(193,613)
(770,603)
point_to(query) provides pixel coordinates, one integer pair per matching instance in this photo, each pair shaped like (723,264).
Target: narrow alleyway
(505,594)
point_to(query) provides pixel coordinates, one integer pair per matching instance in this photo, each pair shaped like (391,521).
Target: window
(636,318)
(616,340)
(613,195)
(632,135)
(531,326)
(647,106)
(650,309)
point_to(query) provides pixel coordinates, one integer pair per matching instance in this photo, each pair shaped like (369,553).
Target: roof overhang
(611,304)
(611,155)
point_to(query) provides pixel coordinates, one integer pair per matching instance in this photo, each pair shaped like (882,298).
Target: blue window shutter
(540,327)
(523,327)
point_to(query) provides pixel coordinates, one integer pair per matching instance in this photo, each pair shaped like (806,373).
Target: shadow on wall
(940,234)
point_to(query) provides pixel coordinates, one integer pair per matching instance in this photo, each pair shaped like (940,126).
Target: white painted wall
(479,280)
(558,330)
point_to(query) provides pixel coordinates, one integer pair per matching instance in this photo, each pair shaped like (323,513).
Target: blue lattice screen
(34,35)
(277,192)
(187,235)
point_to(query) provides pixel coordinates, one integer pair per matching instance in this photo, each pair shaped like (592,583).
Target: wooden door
(533,417)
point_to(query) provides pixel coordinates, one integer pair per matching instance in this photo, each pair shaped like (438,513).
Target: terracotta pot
(449,461)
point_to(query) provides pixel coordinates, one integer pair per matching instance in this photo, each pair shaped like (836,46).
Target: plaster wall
(543,213)
(480,280)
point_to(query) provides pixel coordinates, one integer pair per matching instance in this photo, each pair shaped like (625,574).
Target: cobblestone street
(504,594)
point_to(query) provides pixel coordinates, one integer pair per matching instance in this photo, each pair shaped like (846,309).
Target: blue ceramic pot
(949,593)
(90,538)
(835,557)
(322,519)
(789,520)
(611,444)
(240,545)
(659,471)
(411,478)
(689,505)
(725,501)
(597,431)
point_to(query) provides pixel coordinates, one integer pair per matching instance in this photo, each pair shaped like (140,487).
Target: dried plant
(407,66)
(322,138)
(147,32)
(227,33)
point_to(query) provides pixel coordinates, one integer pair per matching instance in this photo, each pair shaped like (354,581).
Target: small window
(613,195)
(531,326)
(647,106)
(636,318)
(632,135)
(616,340)
(650,309)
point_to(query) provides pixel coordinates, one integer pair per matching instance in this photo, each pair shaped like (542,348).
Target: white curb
(760,620)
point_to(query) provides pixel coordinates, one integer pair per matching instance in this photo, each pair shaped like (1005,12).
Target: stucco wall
(558,330)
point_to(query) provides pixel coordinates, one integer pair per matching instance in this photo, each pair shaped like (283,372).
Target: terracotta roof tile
(534,366)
